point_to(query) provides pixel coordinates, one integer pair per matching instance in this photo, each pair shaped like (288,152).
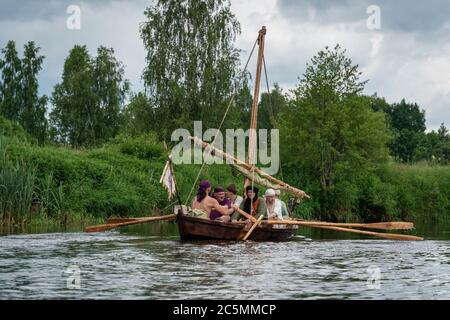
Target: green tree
(10,83)
(74,101)
(19,89)
(111,89)
(408,123)
(89,100)
(434,146)
(243,105)
(330,132)
(33,106)
(379,104)
(270,107)
(191,61)
(139,116)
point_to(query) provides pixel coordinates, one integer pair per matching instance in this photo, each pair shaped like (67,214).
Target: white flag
(168,180)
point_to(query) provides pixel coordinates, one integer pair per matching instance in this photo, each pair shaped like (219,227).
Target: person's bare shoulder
(211,201)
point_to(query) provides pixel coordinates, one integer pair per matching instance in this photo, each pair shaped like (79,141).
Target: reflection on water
(149,262)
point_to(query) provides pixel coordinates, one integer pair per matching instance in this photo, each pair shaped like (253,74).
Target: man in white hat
(273,205)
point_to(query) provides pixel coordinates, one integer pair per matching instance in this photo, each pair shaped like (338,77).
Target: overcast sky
(408,57)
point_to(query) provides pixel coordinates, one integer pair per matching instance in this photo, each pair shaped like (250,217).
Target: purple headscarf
(201,193)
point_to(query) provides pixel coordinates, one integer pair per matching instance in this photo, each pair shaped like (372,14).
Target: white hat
(270,193)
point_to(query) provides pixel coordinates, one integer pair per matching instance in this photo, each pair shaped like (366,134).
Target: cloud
(400,15)
(110,23)
(407,58)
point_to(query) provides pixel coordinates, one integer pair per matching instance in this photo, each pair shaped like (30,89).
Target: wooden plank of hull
(192,228)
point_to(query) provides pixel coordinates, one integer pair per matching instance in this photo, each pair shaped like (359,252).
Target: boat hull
(192,228)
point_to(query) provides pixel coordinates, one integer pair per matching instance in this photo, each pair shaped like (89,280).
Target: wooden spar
(232,160)
(254,120)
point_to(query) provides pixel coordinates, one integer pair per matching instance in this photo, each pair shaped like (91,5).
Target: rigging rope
(223,119)
(272,117)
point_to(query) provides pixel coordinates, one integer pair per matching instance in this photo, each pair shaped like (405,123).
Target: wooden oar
(378,225)
(120,220)
(390,236)
(104,227)
(255,224)
(376,234)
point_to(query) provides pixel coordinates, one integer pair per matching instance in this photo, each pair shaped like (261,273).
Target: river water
(149,262)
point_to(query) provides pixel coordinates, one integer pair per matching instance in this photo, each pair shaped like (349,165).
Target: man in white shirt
(273,205)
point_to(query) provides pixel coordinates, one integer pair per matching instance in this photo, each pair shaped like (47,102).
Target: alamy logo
(235,145)
(374,279)
(73,22)
(73,281)
(374,20)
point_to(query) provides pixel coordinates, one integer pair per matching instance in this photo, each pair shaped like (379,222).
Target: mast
(253,125)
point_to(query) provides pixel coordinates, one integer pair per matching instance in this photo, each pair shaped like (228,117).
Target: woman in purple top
(219,195)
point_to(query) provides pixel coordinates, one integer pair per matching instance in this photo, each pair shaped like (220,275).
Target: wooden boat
(194,228)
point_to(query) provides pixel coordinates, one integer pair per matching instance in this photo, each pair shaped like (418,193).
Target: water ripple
(118,266)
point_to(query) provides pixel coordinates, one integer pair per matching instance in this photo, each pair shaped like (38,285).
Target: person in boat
(232,195)
(203,204)
(284,209)
(252,204)
(219,195)
(274,206)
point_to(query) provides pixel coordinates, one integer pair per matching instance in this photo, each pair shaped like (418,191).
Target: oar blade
(100,228)
(395,225)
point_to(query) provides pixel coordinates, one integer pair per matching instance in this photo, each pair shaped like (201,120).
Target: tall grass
(97,183)
(16,188)
(50,198)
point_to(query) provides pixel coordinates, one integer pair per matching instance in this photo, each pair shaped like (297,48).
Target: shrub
(146,146)
(12,129)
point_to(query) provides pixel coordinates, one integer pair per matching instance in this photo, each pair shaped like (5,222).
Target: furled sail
(253,173)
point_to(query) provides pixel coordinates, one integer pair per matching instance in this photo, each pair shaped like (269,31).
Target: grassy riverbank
(62,185)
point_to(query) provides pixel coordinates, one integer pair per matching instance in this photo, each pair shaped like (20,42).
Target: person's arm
(222,209)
